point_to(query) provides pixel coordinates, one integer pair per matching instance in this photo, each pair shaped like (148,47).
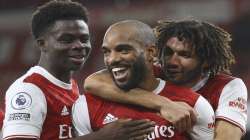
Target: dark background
(18,52)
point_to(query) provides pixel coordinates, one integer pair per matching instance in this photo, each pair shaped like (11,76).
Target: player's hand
(127,129)
(180,114)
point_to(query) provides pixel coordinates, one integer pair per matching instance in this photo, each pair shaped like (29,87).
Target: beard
(186,76)
(137,74)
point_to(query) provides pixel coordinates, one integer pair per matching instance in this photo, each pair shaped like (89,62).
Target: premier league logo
(21,101)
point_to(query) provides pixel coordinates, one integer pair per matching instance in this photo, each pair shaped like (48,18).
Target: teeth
(118,69)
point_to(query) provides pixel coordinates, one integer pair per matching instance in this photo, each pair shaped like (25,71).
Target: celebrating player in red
(197,55)
(38,104)
(129,51)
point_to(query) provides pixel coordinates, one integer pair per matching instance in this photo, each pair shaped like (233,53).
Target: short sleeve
(80,115)
(25,111)
(232,106)
(204,127)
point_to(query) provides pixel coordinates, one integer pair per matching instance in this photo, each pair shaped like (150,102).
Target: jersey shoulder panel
(178,93)
(80,116)
(204,127)
(213,88)
(232,105)
(26,109)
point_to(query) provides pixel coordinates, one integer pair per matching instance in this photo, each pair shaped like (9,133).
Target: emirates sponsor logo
(161,131)
(239,103)
(211,125)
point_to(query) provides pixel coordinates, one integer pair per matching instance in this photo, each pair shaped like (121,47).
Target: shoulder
(21,88)
(204,127)
(204,109)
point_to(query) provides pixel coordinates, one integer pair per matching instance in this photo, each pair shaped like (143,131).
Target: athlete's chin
(175,80)
(76,67)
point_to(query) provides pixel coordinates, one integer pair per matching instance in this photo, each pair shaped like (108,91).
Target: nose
(78,45)
(173,59)
(85,48)
(113,58)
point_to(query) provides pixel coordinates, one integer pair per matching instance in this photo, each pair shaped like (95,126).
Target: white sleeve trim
(24,120)
(80,115)
(232,106)
(22,133)
(204,127)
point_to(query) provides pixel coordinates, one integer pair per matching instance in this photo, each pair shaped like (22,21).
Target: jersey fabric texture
(91,113)
(228,97)
(39,106)
(226,94)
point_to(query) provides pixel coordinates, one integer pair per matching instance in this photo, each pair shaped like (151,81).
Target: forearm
(104,87)
(90,136)
(136,96)
(227,131)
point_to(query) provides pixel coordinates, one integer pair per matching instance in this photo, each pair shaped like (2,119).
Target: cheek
(189,64)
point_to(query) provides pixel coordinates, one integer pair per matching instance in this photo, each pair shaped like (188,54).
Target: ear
(41,44)
(151,53)
(205,67)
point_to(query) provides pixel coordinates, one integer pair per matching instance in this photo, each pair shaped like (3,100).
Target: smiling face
(124,57)
(66,45)
(180,63)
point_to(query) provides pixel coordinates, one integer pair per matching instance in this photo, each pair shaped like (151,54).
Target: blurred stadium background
(18,51)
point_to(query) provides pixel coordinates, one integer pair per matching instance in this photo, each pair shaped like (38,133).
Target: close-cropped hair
(211,43)
(50,12)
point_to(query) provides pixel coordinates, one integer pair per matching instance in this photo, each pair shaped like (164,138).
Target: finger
(188,123)
(139,137)
(193,116)
(142,126)
(124,120)
(137,122)
(180,125)
(142,132)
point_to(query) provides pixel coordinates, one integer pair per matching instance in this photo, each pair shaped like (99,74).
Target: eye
(66,39)
(105,51)
(185,54)
(84,39)
(124,49)
(167,51)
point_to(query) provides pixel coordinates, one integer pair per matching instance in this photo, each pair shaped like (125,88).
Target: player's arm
(231,114)
(225,131)
(204,127)
(118,130)
(102,85)
(25,111)
(121,130)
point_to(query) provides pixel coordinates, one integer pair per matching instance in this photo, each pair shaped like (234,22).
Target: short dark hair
(211,43)
(47,14)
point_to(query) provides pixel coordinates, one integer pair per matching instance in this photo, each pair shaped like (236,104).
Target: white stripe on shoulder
(160,86)
(50,77)
(80,114)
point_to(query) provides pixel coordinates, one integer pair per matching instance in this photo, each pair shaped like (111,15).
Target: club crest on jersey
(21,101)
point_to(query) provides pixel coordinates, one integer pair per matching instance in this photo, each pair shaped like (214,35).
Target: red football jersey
(101,112)
(228,97)
(39,105)
(226,94)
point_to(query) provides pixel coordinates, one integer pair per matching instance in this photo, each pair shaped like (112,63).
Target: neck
(55,71)
(150,83)
(194,82)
